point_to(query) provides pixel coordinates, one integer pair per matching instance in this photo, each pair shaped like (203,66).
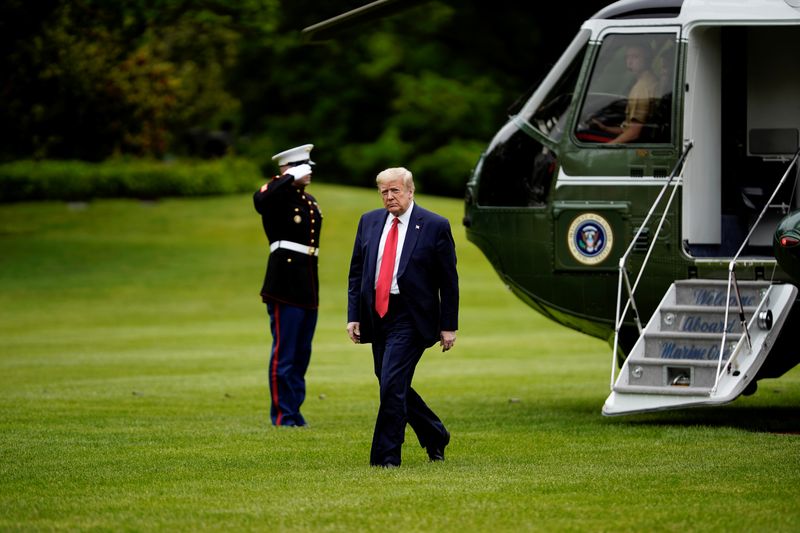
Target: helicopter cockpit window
(519,166)
(547,110)
(629,97)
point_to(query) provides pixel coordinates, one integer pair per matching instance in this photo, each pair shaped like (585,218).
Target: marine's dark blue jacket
(289,213)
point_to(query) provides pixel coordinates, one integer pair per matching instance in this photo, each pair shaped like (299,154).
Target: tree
(91,78)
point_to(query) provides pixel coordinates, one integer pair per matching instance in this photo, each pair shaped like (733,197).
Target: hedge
(147,179)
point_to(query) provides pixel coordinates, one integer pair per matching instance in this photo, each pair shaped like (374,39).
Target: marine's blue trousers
(292,330)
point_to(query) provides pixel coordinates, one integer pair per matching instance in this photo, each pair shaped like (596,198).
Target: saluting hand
(300,171)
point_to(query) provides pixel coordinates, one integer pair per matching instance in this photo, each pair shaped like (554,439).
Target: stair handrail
(623,273)
(732,281)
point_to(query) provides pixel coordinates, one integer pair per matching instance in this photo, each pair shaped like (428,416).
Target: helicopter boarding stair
(707,339)
(676,361)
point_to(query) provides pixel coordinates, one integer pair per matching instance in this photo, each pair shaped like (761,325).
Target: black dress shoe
(436,453)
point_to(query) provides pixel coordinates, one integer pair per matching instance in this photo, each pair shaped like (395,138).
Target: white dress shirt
(402,226)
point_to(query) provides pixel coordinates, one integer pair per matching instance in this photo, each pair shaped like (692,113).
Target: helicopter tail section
(704,345)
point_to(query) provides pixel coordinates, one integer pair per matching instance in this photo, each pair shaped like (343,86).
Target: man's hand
(300,171)
(354,331)
(448,339)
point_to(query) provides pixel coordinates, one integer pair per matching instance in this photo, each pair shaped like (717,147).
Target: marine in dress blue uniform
(292,222)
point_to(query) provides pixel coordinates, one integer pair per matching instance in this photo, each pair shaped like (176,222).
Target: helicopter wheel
(751,388)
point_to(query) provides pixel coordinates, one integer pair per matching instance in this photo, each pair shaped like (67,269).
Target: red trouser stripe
(274,369)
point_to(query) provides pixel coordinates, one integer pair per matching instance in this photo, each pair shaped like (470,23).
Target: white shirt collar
(405,217)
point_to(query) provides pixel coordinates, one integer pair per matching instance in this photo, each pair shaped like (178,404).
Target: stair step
(680,373)
(670,391)
(688,362)
(700,319)
(693,346)
(715,292)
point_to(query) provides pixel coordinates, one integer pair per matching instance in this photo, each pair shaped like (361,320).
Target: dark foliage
(424,88)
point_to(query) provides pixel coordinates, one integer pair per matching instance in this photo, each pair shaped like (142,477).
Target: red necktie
(387,269)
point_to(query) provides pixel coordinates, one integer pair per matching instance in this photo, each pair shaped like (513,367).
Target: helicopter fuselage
(558,196)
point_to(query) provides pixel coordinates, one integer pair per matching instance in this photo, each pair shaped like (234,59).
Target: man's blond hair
(397,172)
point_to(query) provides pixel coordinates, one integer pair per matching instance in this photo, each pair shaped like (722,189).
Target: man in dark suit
(402,298)
(292,222)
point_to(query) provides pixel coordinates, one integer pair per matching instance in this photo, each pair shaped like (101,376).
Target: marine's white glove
(300,171)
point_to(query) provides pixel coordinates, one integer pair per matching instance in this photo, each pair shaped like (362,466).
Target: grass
(133,361)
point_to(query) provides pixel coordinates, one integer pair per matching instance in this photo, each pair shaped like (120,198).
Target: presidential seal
(590,239)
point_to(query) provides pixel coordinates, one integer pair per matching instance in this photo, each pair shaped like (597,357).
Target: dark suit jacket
(427,276)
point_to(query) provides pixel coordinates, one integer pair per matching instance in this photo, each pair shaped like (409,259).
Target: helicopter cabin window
(629,96)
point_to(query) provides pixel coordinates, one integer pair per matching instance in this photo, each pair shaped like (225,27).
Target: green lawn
(133,365)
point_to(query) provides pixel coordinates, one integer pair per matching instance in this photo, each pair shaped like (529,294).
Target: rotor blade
(372,11)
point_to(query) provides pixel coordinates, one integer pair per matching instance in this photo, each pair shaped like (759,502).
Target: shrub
(79,180)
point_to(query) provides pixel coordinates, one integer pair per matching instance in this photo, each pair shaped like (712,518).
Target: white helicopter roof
(691,12)
(736,10)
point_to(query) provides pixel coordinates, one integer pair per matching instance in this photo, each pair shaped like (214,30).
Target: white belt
(294,246)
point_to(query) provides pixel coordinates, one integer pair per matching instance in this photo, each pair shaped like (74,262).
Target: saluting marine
(292,222)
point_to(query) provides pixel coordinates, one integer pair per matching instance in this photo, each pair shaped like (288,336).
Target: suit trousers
(396,349)
(292,330)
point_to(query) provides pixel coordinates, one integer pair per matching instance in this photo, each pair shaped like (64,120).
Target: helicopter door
(621,147)
(743,118)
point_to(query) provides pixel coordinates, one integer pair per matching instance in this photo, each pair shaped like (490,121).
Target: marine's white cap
(294,155)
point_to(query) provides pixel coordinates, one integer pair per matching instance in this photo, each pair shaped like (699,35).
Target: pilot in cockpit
(641,98)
